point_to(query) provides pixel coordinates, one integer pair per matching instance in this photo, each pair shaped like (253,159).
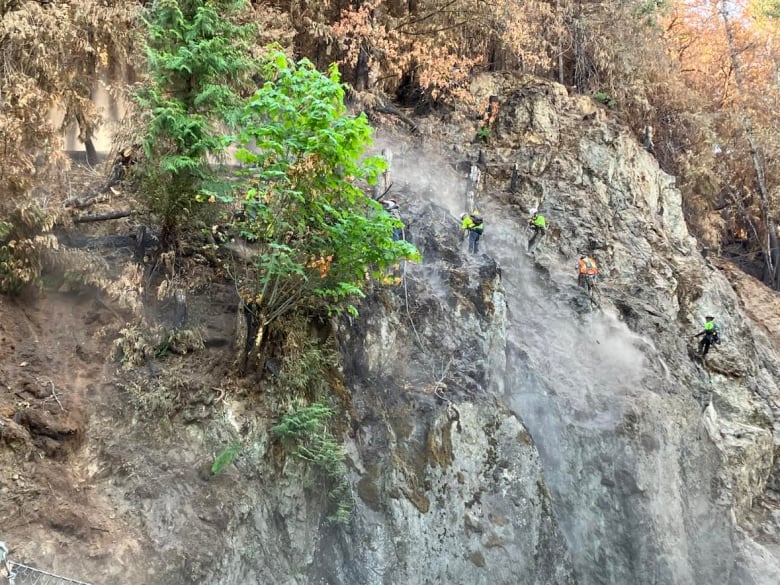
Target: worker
(709,336)
(391,207)
(588,271)
(538,225)
(474,226)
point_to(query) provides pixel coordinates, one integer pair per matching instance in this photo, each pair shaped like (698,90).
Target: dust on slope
(52,360)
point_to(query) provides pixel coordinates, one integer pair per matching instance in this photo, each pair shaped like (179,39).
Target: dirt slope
(52,368)
(80,459)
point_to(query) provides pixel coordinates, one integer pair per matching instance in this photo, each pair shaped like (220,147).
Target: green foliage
(304,358)
(484,133)
(305,434)
(321,239)
(605,99)
(199,60)
(226,457)
(768,8)
(650,7)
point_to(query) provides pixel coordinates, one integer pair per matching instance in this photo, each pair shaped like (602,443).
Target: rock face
(501,428)
(646,488)
(448,483)
(660,468)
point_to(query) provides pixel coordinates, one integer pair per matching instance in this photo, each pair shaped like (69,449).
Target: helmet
(533,211)
(463,215)
(390,203)
(709,317)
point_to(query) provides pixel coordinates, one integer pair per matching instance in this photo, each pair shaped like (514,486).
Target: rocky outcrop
(500,426)
(644,483)
(448,481)
(659,467)
(655,464)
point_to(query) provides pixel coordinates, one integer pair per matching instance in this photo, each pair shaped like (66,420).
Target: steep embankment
(646,489)
(498,430)
(647,486)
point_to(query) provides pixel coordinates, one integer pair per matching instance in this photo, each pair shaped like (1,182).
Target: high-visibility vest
(588,266)
(710,328)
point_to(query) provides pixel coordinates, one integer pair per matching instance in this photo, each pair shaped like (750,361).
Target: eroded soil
(98,470)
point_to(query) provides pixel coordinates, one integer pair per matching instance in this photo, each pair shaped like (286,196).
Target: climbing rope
(408,312)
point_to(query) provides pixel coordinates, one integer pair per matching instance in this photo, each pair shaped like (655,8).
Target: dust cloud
(417,172)
(593,356)
(578,379)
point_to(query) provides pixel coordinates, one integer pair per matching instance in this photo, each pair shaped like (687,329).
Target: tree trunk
(579,73)
(85,135)
(771,249)
(361,66)
(250,333)
(92,155)
(561,78)
(102,216)
(361,70)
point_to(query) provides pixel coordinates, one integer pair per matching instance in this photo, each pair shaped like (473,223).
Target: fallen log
(83,201)
(386,108)
(71,240)
(102,216)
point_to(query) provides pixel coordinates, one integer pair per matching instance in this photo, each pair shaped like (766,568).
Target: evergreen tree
(199,59)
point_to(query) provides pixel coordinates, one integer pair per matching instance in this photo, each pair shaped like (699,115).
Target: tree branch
(102,216)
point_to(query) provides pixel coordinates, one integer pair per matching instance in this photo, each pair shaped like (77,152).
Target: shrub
(225,457)
(605,99)
(305,433)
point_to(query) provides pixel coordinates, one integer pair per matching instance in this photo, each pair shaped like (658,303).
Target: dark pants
(474,241)
(706,342)
(536,238)
(586,281)
(397,234)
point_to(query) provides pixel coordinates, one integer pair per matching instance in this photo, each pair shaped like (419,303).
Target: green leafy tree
(200,59)
(320,238)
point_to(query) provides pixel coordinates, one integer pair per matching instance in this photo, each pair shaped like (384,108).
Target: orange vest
(588,266)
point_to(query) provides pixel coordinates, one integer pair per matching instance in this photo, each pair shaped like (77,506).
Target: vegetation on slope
(696,79)
(199,60)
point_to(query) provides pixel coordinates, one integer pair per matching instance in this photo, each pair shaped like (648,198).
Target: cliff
(499,427)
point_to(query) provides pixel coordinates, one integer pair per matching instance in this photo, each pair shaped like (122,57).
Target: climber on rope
(474,226)
(709,336)
(392,209)
(538,225)
(588,273)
